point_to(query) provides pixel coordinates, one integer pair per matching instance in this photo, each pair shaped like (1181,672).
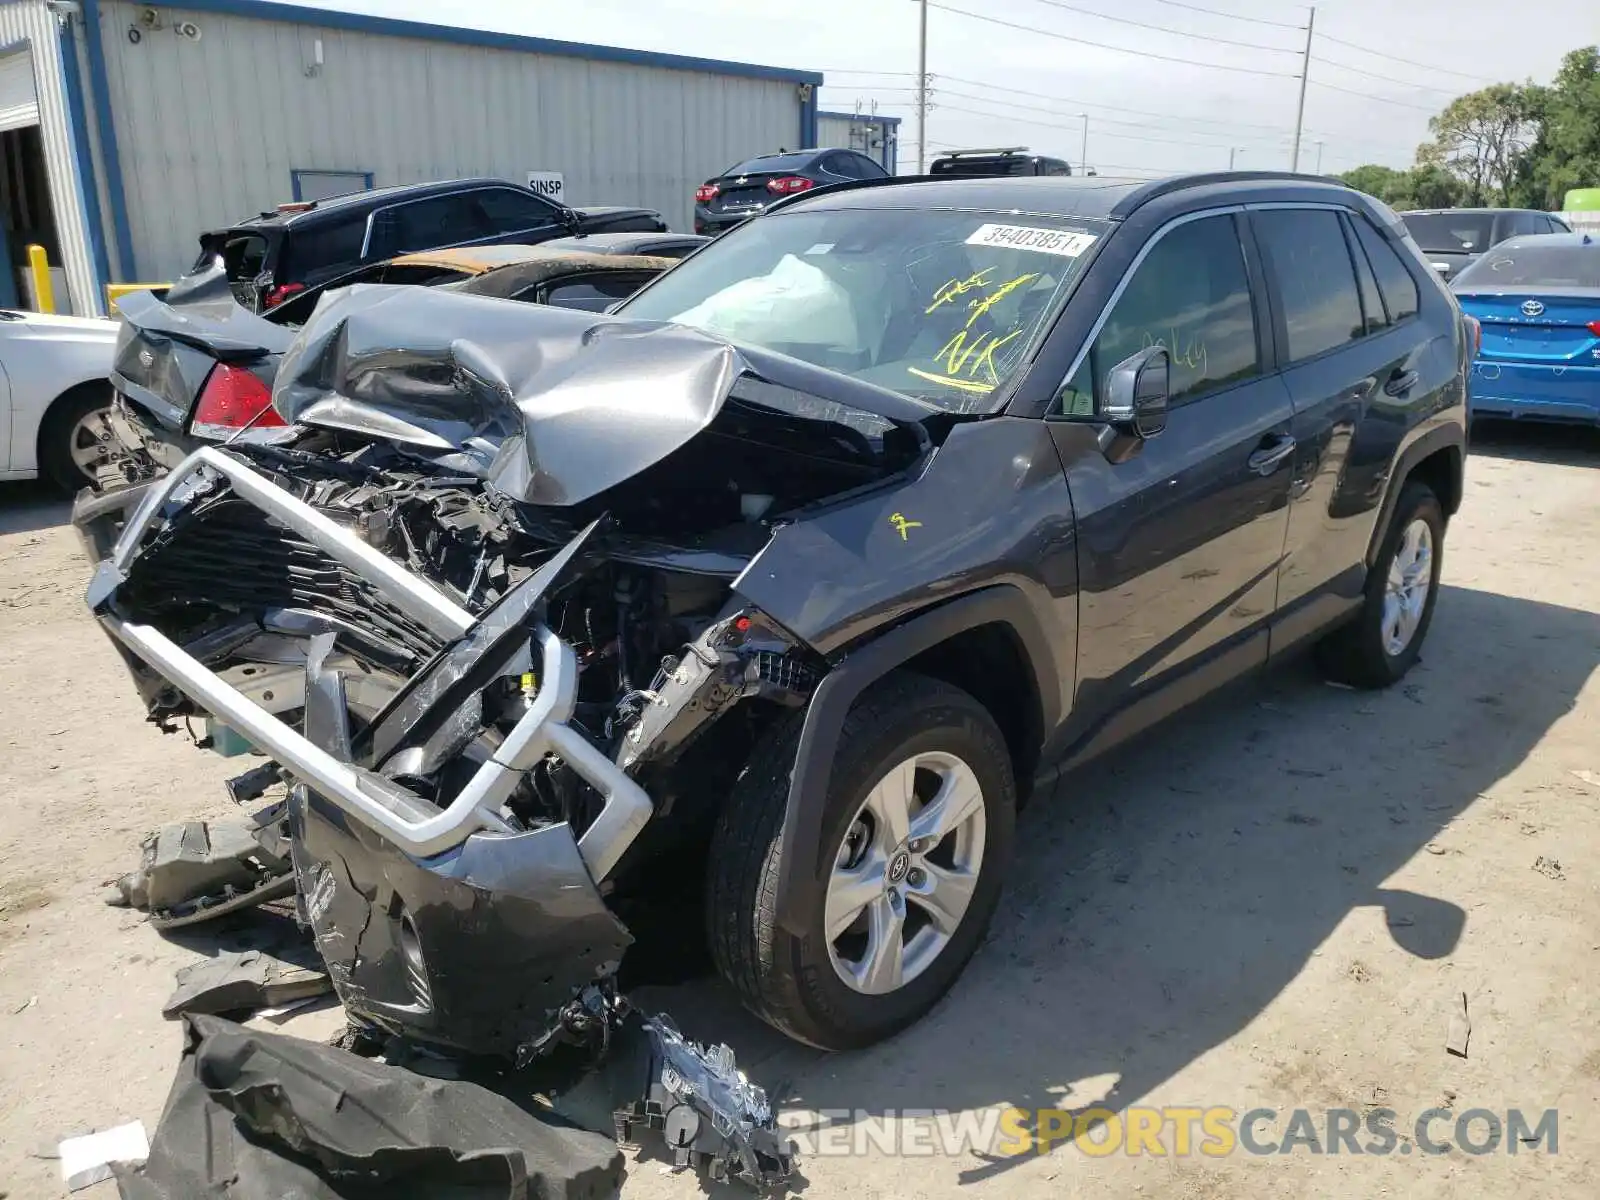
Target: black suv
(1452,239)
(1009,160)
(271,257)
(805,566)
(748,188)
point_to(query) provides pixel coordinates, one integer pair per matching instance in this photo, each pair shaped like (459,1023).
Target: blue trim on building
(83,155)
(8,275)
(325,18)
(808,117)
(100,102)
(295,174)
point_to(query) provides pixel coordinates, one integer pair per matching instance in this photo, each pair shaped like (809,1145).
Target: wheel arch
(83,387)
(953,642)
(1437,458)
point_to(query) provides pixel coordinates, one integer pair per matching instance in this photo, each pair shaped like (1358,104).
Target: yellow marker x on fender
(901,525)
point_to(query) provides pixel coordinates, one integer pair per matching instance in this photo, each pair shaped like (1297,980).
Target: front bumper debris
(445,925)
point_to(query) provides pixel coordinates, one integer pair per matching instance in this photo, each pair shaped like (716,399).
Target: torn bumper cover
(443,923)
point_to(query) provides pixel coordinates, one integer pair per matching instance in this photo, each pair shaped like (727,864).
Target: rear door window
(1191,294)
(429,224)
(511,212)
(1398,287)
(1371,302)
(1309,264)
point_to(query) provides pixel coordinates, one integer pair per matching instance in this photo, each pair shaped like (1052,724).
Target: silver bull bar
(411,823)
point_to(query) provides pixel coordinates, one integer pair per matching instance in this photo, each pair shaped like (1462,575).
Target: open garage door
(19,104)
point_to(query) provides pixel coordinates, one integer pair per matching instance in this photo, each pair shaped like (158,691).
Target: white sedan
(54,395)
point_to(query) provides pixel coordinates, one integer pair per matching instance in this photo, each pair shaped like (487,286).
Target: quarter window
(1371,302)
(1191,295)
(1307,259)
(1396,283)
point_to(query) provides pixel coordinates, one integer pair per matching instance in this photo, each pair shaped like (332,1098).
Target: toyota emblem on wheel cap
(1532,308)
(899,866)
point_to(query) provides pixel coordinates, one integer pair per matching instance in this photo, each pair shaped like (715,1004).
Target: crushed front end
(460,700)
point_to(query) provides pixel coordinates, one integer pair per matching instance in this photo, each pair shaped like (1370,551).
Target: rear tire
(74,437)
(1384,641)
(943,750)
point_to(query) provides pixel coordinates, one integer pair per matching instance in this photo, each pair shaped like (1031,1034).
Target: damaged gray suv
(794,576)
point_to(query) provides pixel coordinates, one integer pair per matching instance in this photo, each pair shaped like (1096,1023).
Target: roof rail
(1164,187)
(994,150)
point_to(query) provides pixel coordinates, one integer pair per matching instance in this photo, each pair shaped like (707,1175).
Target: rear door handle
(1400,383)
(1275,448)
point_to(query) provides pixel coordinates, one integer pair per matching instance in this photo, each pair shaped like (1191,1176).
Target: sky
(1027,72)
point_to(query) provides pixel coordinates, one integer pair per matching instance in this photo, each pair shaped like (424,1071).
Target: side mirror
(1137,392)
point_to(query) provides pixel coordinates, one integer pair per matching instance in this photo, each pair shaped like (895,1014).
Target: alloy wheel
(905,875)
(1410,579)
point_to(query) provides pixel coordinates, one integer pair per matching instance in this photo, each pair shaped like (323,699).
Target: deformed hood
(551,406)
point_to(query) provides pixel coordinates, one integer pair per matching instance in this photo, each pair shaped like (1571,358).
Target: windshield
(1566,265)
(938,305)
(1451,233)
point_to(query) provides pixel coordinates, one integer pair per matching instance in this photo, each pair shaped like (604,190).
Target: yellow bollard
(39,265)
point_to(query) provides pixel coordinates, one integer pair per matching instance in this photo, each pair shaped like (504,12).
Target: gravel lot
(1271,902)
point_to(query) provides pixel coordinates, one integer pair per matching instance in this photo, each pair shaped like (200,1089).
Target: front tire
(918,826)
(1384,641)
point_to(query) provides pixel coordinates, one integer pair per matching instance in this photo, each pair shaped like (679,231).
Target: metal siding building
(183,133)
(878,137)
(33,45)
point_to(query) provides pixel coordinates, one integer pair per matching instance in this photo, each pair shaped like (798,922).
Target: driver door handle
(1275,449)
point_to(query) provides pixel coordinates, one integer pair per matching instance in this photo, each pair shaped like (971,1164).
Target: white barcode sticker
(1066,243)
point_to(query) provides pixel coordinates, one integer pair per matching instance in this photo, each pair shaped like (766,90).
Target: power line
(1419,87)
(1132,137)
(1406,61)
(1106,46)
(1430,109)
(1099,120)
(994,87)
(1164,28)
(1231,16)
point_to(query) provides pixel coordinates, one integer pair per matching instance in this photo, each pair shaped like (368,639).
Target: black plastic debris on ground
(261,1116)
(195,871)
(246,981)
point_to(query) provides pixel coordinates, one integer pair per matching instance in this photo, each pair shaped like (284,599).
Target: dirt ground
(1271,903)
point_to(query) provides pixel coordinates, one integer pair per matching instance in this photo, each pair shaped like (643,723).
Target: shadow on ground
(1532,441)
(26,507)
(1165,895)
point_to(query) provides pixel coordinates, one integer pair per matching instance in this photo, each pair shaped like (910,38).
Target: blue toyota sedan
(1538,302)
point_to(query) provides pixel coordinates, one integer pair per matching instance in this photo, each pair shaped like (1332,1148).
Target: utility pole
(922,90)
(1305,73)
(1319,156)
(1232,150)
(1083,157)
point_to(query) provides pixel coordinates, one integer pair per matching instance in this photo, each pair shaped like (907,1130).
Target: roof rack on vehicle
(994,150)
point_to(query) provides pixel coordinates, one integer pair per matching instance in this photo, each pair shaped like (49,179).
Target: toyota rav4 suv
(793,574)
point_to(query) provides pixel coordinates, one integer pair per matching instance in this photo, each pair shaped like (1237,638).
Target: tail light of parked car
(1594,328)
(787,184)
(233,399)
(278,293)
(705,193)
(1474,333)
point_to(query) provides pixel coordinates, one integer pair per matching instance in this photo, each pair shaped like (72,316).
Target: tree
(1420,187)
(1566,152)
(1481,139)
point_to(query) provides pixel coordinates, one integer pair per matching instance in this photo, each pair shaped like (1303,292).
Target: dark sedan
(745,189)
(1452,239)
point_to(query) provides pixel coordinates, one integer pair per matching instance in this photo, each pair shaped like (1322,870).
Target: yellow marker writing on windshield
(959,287)
(901,525)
